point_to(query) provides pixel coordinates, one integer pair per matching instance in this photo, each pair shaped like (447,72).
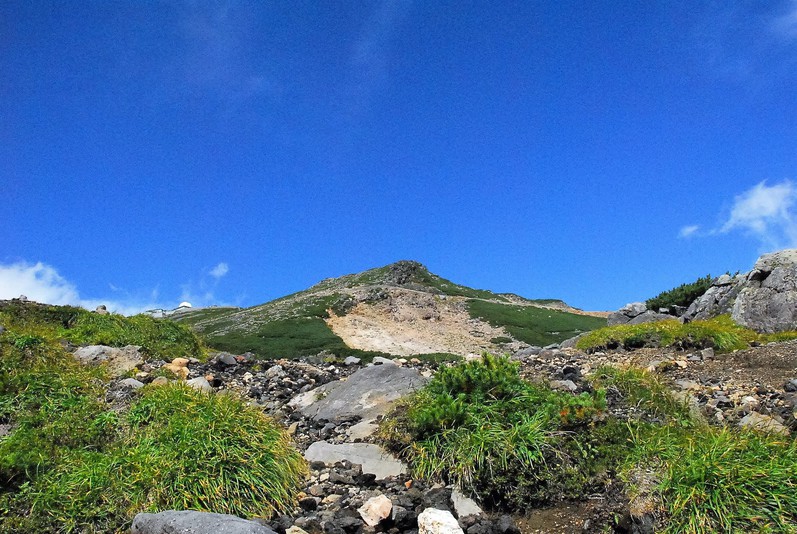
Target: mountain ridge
(398,309)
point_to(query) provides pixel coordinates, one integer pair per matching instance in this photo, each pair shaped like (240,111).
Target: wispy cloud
(42,283)
(220,270)
(688,231)
(765,211)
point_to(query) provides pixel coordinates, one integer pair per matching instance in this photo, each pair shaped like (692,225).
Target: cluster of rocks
(763,299)
(332,410)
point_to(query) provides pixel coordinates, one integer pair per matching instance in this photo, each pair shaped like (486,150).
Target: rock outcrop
(636,313)
(191,522)
(764,299)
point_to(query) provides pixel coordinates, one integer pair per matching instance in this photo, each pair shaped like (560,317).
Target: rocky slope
(400,309)
(331,408)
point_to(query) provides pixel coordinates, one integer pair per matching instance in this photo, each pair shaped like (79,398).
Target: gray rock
(626,313)
(372,457)
(227,359)
(464,506)
(191,522)
(650,317)
(564,385)
(763,423)
(119,361)
(765,299)
(791,385)
(367,393)
(131,383)
(351,360)
(201,384)
(379,360)
(101,310)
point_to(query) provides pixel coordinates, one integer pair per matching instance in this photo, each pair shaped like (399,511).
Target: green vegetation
(683,295)
(511,443)
(289,338)
(74,463)
(720,333)
(158,338)
(720,480)
(481,426)
(533,325)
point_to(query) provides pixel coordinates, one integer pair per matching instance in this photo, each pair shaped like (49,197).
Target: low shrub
(720,333)
(481,426)
(683,295)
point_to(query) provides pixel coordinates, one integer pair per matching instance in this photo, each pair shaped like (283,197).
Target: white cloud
(688,231)
(765,212)
(220,270)
(42,283)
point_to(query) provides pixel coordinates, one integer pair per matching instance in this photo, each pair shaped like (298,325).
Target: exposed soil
(412,322)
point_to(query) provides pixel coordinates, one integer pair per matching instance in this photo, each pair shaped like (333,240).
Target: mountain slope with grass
(400,309)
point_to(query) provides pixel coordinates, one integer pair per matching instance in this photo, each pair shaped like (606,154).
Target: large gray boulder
(764,299)
(718,300)
(118,360)
(366,394)
(767,300)
(636,313)
(191,522)
(373,458)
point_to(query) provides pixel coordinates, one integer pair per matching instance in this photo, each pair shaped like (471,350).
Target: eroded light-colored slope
(411,322)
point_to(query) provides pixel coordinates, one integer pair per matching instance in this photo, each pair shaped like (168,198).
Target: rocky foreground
(332,411)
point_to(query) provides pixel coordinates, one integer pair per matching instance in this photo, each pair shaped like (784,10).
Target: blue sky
(234,152)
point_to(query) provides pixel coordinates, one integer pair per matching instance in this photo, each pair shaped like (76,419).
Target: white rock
(201,384)
(463,505)
(434,521)
(375,510)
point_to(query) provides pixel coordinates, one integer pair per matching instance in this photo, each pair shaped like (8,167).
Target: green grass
(158,338)
(532,325)
(720,333)
(482,427)
(288,338)
(73,463)
(645,391)
(514,444)
(720,479)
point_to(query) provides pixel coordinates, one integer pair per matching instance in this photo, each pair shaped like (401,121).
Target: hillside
(400,309)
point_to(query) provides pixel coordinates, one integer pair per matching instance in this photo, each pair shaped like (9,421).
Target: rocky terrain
(332,411)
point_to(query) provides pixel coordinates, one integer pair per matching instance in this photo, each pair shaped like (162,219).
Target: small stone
(308,504)
(375,510)
(564,385)
(351,360)
(331,499)
(763,423)
(791,386)
(292,429)
(131,383)
(707,354)
(379,360)
(227,359)
(433,521)
(160,381)
(201,384)
(463,505)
